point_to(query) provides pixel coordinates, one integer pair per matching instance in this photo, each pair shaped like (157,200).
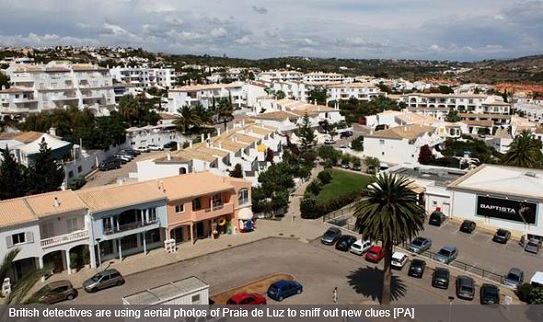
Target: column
(92,256)
(40,264)
(68,263)
(144,242)
(192,233)
(120,249)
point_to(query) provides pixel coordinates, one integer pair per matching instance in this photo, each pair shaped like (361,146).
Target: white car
(142,149)
(398,260)
(154,147)
(361,246)
(329,141)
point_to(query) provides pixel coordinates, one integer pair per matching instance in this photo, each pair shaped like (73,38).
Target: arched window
(243,196)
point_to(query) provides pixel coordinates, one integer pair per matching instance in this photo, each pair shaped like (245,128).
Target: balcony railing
(66,238)
(129,226)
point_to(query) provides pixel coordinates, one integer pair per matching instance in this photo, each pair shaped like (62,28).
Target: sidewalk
(290,226)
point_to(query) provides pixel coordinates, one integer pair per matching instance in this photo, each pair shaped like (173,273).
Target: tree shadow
(368,281)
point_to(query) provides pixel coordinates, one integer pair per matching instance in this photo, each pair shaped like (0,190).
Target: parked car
(143,149)
(154,147)
(490,294)
(441,277)
(468,226)
(502,236)
(329,141)
(331,236)
(131,152)
(56,292)
(465,287)
(77,182)
(446,254)
(533,245)
(420,245)
(357,167)
(170,145)
(110,164)
(375,254)
(437,218)
(107,278)
(345,242)
(345,164)
(514,278)
(417,267)
(283,289)
(361,246)
(123,158)
(247,298)
(398,260)
(345,134)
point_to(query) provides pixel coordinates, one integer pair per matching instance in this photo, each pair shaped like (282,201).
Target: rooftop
(440,175)
(403,132)
(165,292)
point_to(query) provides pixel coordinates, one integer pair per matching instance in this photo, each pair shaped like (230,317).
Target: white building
(207,95)
(37,88)
(360,91)
(145,78)
(280,76)
(474,103)
(401,143)
(320,112)
(500,197)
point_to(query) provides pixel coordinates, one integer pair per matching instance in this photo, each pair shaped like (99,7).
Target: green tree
(524,152)
(425,155)
(13,177)
(225,111)
(328,153)
(452,116)
(46,172)
(372,164)
(308,139)
(237,172)
(20,292)
(318,94)
(129,109)
(279,95)
(536,295)
(4,80)
(187,119)
(389,214)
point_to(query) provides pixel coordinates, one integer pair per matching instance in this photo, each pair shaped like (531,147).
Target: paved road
(319,268)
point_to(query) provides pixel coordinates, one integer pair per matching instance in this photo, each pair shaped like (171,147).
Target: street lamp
(451,299)
(99,257)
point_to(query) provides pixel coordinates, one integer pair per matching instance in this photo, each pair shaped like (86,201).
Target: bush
(325,177)
(314,187)
(523,292)
(307,208)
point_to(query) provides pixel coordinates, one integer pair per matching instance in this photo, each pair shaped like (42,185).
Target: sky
(458,30)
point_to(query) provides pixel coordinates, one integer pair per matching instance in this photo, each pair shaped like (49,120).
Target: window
(72,224)
(195,298)
(152,214)
(18,238)
(381,142)
(47,230)
(196,204)
(243,196)
(216,200)
(179,208)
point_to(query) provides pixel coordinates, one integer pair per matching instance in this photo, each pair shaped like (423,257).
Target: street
(319,268)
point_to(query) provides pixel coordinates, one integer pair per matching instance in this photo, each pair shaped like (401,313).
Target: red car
(247,298)
(375,254)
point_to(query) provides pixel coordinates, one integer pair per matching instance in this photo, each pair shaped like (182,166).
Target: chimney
(190,144)
(202,137)
(169,155)
(56,203)
(218,131)
(179,146)
(53,131)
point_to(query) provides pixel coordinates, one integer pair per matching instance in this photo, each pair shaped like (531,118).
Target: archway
(54,261)
(79,256)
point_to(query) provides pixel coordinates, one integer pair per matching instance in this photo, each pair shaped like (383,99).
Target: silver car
(514,278)
(108,278)
(446,254)
(532,246)
(420,245)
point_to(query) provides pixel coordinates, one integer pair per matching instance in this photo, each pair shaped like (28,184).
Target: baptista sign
(508,209)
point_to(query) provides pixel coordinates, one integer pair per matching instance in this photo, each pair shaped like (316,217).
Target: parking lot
(318,267)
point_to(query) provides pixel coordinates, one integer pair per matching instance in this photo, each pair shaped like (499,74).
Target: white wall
(393,151)
(28,249)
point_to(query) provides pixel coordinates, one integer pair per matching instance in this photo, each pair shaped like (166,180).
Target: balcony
(213,212)
(132,228)
(64,239)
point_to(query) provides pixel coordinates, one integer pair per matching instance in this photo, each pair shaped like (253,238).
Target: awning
(245,214)
(416,188)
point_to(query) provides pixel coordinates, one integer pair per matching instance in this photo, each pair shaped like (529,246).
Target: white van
(537,279)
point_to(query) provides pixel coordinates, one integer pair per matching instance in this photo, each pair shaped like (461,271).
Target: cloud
(218,32)
(260,10)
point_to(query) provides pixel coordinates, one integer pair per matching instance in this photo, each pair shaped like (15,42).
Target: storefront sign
(507,209)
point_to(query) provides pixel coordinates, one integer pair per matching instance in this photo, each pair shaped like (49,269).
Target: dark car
(345,164)
(331,236)
(468,226)
(490,294)
(437,218)
(345,242)
(420,245)
(417,267)
(56,292)
(283,289)
(502,236)
(514,278)
(131,152)
(247,298)
(345,134)
(465,287)
(110,164)
(170,145)
(440,278)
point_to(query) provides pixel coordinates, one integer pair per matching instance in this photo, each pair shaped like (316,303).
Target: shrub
(325,176)
(523,292)
(307,208)
(314,187)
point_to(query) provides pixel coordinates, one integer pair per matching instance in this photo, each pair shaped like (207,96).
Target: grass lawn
(343,182)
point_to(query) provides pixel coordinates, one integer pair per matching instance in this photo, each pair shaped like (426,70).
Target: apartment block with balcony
(206,95)
(470,103)
(360,91)
(125,219)
(145,78)
(50,230)
(202,205)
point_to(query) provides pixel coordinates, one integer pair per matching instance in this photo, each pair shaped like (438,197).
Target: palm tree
(129,108)
(524,152)
(20,292)
(187,119)
(390,213)
(225,111)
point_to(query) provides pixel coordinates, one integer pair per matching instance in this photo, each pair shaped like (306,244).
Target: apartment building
(320,112)
(207,95)
(246,144)
(201,205)
(360,91)
(36,88)
(280,76)
(145,78)
(473,103)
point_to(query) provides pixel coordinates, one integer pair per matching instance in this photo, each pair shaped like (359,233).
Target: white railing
(66,238)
